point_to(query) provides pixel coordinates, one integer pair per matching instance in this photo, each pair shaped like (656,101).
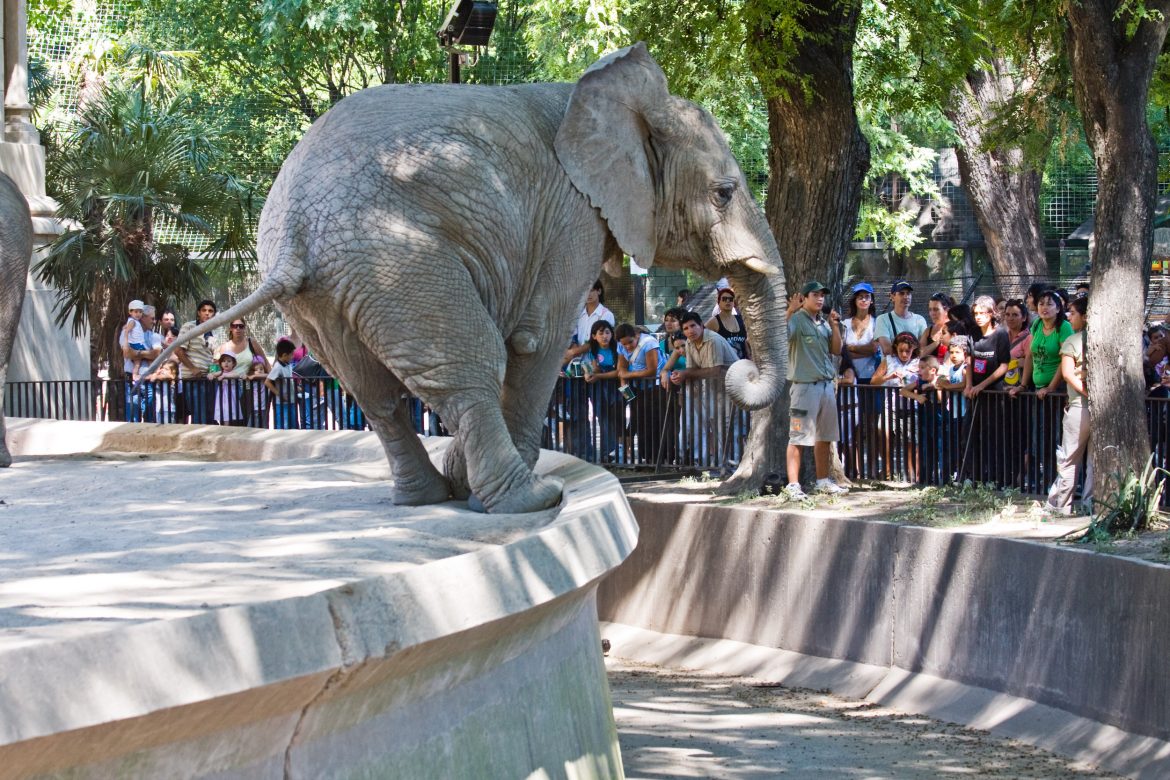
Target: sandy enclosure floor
(93,542)
(685,724)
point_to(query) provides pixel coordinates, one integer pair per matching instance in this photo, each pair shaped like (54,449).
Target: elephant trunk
(761,301)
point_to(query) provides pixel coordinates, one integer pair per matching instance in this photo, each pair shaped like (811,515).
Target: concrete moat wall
(1069,629)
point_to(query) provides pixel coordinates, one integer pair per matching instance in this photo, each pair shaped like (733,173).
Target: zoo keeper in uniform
(812,342)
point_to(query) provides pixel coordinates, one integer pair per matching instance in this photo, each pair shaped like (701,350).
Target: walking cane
(670,394)
(970,430)
(727,442)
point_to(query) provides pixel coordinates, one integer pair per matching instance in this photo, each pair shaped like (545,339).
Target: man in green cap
(813,340)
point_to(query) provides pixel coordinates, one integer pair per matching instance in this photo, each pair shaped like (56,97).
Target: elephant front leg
(528,387)
(529,381)
(497,475)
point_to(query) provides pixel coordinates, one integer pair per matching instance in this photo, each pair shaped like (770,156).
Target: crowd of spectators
(629,391)
(226,378)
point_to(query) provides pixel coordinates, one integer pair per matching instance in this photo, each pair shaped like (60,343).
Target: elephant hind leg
(5,455)
(381,396)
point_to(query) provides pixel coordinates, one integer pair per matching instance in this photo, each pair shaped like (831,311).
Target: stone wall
(1068,628)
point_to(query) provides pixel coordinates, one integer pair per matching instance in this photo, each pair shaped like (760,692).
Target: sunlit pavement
(691,724)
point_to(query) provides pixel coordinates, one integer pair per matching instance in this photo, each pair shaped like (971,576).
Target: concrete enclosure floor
(683,724)
(89,542)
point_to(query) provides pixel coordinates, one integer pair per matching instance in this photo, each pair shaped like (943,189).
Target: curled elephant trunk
(755,384)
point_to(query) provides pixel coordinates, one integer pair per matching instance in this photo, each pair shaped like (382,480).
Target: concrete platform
(203,602)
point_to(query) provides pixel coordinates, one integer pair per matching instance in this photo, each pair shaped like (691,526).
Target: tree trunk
(1003,187)
(1111,79)
(817,158)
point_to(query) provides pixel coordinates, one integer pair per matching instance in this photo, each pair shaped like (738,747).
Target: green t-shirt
(1074,347)
(809,359)
(1046,352)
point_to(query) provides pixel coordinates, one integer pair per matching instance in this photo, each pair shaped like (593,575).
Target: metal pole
(453,66)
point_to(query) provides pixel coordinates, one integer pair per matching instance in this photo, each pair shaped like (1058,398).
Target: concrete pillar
(42,350)
(18,126)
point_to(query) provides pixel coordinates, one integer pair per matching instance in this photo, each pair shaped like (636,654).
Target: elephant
(16,243)
(440,240)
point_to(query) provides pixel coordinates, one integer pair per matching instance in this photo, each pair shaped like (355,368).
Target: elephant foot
(5,458)
(534,495)
(420,492)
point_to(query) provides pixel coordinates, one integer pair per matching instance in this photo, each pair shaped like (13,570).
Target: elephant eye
(722,193)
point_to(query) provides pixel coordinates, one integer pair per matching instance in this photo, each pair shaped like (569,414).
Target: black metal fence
(995,438)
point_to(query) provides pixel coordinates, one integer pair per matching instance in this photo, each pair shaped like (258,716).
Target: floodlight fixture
(469,23)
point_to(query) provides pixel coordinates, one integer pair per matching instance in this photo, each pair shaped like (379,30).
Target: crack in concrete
(348,661)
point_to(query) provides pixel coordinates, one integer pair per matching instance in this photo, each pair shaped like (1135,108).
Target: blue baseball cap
(901,284)
(863,287)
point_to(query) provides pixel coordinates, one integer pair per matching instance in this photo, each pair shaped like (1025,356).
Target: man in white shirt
(900,319)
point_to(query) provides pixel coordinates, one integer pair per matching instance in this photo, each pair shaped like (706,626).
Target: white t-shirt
(585,322)
(149,339)
(136,336)
(899,374)
(863,367)
(281,371)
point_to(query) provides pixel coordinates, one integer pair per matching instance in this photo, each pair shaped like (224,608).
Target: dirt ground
(684,724)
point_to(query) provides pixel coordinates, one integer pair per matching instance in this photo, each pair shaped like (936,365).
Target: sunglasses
(725,298)
(238,327)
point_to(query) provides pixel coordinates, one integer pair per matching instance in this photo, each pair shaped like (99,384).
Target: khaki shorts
(812,413)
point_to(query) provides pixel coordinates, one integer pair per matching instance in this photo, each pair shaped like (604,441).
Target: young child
(927,462)
(227,394)
(280,384)
(164,382)
(135,337)
(925,389)
(953,375)
(257,390)
(901,368)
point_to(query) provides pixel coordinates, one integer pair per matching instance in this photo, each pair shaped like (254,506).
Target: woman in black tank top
(729,324)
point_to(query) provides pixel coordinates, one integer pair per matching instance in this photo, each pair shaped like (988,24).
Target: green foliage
(139,185)
(1132,508)
(302,55)
(902,124)
(42,13)
(569,35)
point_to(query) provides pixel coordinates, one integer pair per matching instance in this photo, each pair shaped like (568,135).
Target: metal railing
(1010,442)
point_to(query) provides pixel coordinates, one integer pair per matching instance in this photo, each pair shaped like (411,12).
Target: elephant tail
(276,286)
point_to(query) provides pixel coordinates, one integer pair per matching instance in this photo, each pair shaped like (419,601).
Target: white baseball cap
(135,304)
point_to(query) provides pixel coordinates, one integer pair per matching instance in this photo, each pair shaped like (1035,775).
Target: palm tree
(139,191)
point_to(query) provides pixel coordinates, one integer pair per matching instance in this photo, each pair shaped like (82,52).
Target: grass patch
(966,503)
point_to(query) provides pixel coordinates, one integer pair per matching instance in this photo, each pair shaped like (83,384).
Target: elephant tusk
(760,266)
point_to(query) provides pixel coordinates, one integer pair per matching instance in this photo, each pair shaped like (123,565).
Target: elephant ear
(603,144)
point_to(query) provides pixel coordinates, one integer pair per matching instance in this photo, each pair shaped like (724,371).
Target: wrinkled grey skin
(16,239)
(439,240)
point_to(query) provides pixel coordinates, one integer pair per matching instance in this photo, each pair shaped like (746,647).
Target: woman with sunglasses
(729,324)
(244,348)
